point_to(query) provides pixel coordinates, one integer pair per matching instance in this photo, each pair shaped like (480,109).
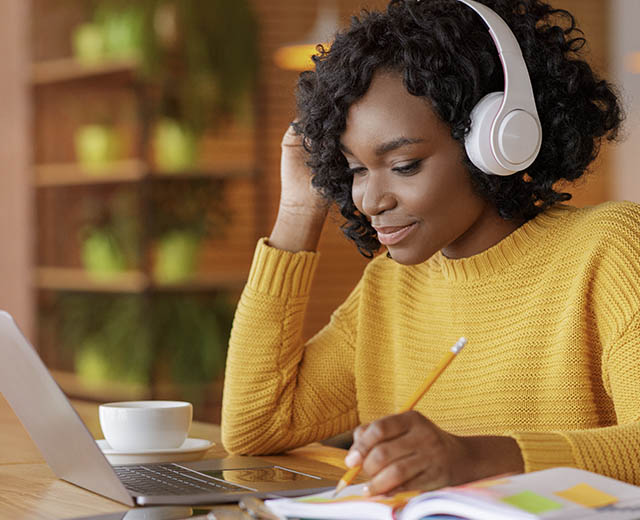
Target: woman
(546,294)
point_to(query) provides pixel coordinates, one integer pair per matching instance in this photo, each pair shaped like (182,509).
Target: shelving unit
(134,170)
(69,69)
(57,179)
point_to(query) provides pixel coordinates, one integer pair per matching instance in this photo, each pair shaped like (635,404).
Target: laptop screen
(258,475)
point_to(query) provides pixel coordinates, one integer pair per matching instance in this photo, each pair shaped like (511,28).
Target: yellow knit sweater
(552,315)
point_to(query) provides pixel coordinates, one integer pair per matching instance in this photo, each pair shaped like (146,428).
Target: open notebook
(558,493)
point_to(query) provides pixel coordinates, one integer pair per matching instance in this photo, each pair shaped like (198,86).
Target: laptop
(74,456)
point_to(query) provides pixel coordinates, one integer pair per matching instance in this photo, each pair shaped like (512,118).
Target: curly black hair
(444,53)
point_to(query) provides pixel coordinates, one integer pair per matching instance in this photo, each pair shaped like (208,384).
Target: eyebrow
(389,146)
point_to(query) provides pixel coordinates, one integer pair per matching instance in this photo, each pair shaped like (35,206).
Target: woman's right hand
(302,210)
(297,194)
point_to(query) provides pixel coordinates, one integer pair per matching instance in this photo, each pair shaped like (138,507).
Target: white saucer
(191,449)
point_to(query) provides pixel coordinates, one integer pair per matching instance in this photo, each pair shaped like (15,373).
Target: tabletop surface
(30,490)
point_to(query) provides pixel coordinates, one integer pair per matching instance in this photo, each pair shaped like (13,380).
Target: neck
(489,229)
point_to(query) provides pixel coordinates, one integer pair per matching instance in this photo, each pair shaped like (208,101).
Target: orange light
(633,62)
(297,55)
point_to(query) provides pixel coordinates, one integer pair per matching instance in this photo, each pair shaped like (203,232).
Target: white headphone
(506,134)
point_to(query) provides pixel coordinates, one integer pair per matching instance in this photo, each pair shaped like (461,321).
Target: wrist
(298,227)
(487,456)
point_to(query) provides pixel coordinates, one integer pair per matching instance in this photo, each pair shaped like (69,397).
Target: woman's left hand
(408,451)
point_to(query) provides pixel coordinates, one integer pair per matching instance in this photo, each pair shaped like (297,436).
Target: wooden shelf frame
(70,279)
(70,174)
(73,386)
(135,282)
(70,69)
(134,170)
(109,391)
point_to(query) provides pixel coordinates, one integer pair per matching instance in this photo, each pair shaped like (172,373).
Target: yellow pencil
(432,378)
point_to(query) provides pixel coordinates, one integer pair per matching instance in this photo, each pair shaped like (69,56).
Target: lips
(391,235)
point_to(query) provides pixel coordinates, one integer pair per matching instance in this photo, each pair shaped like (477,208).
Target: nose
(374,194)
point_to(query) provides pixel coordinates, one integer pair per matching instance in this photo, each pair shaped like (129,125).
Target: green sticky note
(532,502)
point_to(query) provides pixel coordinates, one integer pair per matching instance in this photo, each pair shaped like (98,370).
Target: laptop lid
(73,455)
(53,424)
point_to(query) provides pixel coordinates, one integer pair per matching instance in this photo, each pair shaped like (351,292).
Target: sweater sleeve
(279,392)
(611,450)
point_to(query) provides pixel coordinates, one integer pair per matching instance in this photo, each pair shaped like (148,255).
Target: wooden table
(30,490)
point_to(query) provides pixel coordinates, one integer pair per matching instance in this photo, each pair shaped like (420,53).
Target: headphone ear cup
(478,140)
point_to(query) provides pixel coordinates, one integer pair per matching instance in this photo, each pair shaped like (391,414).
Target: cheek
(425,194)
(448,182)
(435,196)
(357,192)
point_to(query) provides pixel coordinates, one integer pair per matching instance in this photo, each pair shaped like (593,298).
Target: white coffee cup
(145,425)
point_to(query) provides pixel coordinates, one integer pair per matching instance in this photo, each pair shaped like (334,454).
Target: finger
(291,136)
(354,457)
(396,475)
(292,141)
(357,434)
(386,453)
(401,489)
(434,476)
(358,431)
(378,431)
(428,480)
(417,484)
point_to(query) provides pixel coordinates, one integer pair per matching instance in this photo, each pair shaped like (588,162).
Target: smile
(389,236)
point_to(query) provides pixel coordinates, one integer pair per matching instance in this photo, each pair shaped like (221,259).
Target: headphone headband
(515,133)
(517,89)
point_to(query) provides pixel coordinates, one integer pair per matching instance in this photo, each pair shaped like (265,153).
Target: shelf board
(222,168)
(69,69)
(75,387)
(133,170)
(70,174)
(70,279)
(203,282)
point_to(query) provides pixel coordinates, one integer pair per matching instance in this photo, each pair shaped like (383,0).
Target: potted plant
(184,214)
(106,339)
(199,57)
(176,339)
(97,146)
(190,334)
(174,146)
(110,235)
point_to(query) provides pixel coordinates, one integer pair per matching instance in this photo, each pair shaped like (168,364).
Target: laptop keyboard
(169,479)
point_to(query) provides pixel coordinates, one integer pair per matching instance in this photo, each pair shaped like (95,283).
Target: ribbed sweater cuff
(544,450)
(281,273)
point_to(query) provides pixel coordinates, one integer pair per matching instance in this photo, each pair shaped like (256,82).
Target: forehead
(388,111)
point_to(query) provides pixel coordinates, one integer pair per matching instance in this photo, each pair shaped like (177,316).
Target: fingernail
(366,491)
(353,458)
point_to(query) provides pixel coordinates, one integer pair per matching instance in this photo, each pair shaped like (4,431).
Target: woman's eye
(408,168)
(356,170)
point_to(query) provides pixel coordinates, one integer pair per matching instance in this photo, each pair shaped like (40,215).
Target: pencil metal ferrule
(459,345)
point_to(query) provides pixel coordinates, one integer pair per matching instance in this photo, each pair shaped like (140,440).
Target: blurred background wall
(47,199)
(16,196)
(624,44)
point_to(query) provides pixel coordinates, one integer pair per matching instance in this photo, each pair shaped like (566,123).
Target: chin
(407,256)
